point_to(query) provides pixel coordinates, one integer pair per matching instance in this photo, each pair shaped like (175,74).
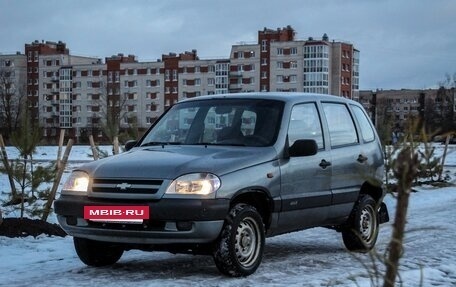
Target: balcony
(235,86)
(236,73)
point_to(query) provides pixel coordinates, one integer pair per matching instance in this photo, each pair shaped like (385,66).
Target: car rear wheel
(361,232)
(97,253)
(239,249)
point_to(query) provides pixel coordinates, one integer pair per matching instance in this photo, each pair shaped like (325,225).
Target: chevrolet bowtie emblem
(123,186)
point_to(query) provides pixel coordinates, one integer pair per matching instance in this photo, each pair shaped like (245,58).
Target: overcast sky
(403,44)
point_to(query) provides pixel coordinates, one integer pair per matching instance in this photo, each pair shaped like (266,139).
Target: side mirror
(130,144)
(303,148)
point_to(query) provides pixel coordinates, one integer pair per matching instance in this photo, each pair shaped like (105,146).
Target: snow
(314,257)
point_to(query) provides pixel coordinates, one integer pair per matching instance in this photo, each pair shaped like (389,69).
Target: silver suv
(217,174)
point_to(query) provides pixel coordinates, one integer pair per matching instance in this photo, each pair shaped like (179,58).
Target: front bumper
(170,221)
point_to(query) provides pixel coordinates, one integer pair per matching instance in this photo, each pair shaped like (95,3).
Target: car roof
(289,97)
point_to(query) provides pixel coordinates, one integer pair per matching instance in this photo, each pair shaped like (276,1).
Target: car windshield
(235,122)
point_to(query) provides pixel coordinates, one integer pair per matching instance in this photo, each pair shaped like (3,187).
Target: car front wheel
(361,232)
(239,249)
(97,253)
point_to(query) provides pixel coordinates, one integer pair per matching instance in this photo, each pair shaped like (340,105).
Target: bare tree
(442,114)
(12,97)
(113,111)
(384,120)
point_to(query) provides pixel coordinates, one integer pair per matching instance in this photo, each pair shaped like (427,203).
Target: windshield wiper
(218,144)
(160,143)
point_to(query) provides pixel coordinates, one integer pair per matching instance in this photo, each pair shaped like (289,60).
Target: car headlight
(195,183)
(78,181)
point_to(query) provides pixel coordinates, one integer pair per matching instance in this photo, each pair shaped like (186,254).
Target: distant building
(392,109)
(79,94)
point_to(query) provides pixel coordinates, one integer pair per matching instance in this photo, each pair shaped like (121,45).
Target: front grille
(126,185)
(147,225)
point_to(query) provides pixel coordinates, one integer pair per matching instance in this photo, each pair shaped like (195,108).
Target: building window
(294,51)
(293,65)
(279,65)
(197,69)
(197,82)
(174,75)
(184,82)
(210,81)
(279,51)
(264,75)
(264,45)
(264,62)
(167,75)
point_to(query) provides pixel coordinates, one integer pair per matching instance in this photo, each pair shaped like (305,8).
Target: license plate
(116,214)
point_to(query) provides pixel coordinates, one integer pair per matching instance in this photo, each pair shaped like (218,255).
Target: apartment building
(77,93)
(58,85)
(279,62)
(398,105)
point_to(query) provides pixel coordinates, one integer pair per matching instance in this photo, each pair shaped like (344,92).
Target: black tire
(97,253)
(239,249)
(361,232)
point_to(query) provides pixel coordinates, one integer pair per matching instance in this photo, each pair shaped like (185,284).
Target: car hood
(169,162)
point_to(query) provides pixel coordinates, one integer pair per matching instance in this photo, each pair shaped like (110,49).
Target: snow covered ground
(314,257)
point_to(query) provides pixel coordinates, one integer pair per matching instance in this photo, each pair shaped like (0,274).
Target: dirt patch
(16,227)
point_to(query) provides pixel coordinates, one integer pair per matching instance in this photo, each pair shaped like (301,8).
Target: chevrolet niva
(216,175)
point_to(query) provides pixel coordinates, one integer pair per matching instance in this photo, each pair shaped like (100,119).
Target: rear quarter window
(367,131)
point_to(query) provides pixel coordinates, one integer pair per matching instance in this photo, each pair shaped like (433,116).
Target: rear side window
(342,130)
(366,129)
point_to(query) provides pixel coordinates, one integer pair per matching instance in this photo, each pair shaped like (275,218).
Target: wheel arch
(376,192)
(260,199)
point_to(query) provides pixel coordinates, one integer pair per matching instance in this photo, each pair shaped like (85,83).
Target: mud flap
(383,215)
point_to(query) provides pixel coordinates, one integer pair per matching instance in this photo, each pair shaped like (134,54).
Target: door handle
(324,164)
(361,158)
